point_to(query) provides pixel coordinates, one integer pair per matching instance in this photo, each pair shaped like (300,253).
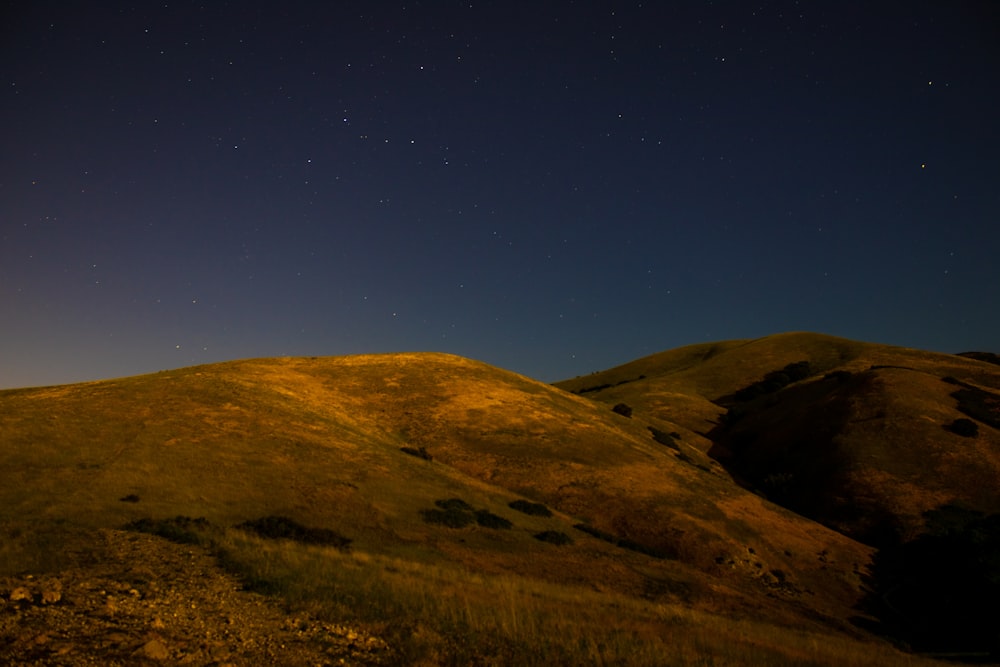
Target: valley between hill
(450,512)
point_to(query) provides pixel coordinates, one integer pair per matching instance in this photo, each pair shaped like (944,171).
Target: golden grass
(319,440)
(447,615)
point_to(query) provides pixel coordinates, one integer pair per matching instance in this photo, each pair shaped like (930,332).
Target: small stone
(154,649)
(20,593)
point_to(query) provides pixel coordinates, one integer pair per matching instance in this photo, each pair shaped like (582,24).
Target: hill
(859,436)
(894,447)
(412,493)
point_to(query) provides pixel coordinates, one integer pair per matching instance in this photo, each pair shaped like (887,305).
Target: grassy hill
(863,439)
(484,517)
(894,447)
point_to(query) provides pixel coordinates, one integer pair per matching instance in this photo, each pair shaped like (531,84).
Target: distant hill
(894,447)
(859,436)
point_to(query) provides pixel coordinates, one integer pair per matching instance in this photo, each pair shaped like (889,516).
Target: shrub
(599,387)
(130,498)
(452,512)
(454,504)
(553,537)
(283,528)
(594,532)
(979,404)
(180,529)
(449,518)
(419,452)
(526,507)
(488,519)
(665,438)
(964,427)
(774,381)
(623,410)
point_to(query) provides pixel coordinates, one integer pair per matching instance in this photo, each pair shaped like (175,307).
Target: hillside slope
(322,441)
(862,437)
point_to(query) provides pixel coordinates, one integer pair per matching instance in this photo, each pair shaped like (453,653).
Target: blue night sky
(553,188)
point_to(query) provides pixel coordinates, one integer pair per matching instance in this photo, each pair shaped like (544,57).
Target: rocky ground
(136,599)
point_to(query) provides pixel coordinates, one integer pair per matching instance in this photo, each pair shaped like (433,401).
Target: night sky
(550,187)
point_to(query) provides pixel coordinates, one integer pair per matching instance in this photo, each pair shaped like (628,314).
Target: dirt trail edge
(142,600)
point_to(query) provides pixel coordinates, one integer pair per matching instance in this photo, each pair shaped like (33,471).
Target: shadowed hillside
(877,442)
(409,463)
(859,436)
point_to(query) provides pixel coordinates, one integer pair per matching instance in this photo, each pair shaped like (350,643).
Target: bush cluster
(527,507)
(283,528)
(180,529)
(774,381)
(553,537)
(419,452)
(623,410)
(456,513)
(964,427)
(664,438)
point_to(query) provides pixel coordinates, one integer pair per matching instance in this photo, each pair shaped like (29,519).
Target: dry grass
(320,441)
(443,615)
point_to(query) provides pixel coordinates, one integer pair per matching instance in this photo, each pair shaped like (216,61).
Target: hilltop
(412,492)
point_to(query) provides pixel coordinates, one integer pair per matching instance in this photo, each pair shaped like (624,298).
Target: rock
(154,649)
(20,593)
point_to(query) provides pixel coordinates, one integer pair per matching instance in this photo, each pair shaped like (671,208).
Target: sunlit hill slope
(684,499)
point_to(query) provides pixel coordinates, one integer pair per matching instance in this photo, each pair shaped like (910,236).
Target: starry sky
(550,187)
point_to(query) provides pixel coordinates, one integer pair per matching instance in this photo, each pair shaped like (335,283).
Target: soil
(136,599)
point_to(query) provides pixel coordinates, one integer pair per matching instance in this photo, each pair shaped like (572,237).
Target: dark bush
(599,387)
(979,404)
(130,498)
(594,532)
(283,528)
(664,438)
(488,519)
(454,504)
(964,427)
(180,529)
(420,453)
(774,381)
(526,507)
(553,537)
(799,370)
(452,512)
(449,518)
(623,410)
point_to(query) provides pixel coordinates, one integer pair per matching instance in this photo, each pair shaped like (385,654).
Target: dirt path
(137,599)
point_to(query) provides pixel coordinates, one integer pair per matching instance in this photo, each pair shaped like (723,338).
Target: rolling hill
(454,484)
(859,436)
